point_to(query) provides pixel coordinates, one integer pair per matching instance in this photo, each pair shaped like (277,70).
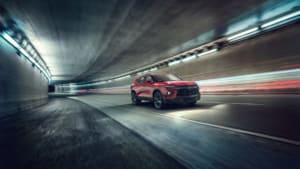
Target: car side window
(141,79)
(137,80)
(149,78)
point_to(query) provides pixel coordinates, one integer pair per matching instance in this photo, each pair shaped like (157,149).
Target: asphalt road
(107,131)
(67,134)
(274,115)
(176,130)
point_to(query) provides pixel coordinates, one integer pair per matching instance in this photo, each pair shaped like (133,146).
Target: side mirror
(149,81)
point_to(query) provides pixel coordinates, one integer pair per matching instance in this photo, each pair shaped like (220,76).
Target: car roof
(150,74)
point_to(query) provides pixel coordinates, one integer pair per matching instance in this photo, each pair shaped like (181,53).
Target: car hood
(180,83)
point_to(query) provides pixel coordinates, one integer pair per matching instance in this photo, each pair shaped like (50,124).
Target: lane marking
(251,104)
(265,136)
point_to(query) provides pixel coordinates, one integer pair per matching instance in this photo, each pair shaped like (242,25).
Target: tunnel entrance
(51,89)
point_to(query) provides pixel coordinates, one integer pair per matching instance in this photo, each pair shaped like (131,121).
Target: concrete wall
(273,51)
(21,86)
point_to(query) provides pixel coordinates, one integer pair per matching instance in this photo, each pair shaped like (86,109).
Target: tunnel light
(189,58)
(10,40)
(29,48)
(154,69)
(243,34)
(281,20)
(122,78)
(24,43)
(207,52)
(176,62)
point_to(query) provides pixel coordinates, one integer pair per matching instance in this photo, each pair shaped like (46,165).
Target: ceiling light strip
(243,34)
(282,20)
(11,41)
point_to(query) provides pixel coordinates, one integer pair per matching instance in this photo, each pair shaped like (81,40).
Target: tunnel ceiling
(88,39)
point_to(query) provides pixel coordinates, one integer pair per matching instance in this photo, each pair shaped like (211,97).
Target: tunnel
(149,84)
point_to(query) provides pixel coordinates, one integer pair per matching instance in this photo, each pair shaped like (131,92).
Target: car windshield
(163,78)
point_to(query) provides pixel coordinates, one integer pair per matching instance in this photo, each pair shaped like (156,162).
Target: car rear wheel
(135,100)
(158,101)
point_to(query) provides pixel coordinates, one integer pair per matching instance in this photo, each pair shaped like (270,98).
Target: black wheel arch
(154,91)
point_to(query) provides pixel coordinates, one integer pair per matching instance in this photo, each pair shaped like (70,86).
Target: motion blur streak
(284,87)
(285,81)
(107,90)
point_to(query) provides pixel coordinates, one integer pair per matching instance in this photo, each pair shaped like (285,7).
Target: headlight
(170,90)
(169,93)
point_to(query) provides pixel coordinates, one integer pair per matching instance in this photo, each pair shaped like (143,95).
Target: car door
(139,88)
(148,86)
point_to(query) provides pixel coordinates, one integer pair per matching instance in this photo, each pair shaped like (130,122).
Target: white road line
(251,104)
(265,136)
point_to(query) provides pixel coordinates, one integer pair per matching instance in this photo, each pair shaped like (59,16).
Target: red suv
(163,89)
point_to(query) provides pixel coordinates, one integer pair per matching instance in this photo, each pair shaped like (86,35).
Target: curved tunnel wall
(274,51)
(22,87)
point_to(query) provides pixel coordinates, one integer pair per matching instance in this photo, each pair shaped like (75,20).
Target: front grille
(187,91)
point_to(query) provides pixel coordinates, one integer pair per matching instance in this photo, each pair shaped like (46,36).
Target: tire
(158,101)
(135,100)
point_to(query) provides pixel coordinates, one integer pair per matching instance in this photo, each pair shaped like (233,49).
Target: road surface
(67,134)
(107,131)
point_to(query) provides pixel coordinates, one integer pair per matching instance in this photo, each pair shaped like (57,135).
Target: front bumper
(184,99)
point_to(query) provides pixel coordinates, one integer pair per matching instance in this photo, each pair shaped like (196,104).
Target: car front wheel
(158,101)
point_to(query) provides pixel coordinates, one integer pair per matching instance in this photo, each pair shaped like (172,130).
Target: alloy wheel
(158,100)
